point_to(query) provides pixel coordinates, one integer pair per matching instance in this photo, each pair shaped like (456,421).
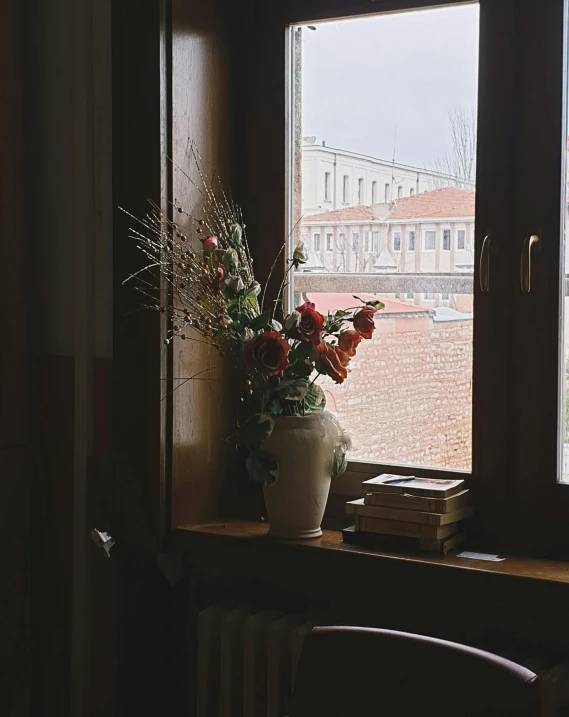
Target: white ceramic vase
(304,448)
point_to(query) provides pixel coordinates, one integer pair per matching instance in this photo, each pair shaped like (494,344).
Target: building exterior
(432,232)
(336,178)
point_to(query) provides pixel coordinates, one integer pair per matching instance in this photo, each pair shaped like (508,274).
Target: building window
(360,191)
(397,241)
(411,192)
(411,241)
(374,192)
(355,242)
(387,193)
(460,239)
(429,296)
(329,242)
(429,240)
(316,242)
(399,192)
(410,295)
(327,186)
(341,240)
(345,188)
(445,297)
(375,241)
(304,239)
(367,242)
(446,239)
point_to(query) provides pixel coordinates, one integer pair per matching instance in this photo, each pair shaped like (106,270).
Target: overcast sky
(363,77)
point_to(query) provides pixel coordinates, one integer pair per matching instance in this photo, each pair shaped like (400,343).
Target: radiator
(247,659)
(248,656)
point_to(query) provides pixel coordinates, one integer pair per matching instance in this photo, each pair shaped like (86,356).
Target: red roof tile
(442,203)
(349,214)
(328,303)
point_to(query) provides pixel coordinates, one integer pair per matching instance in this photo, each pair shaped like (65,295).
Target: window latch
(102,540)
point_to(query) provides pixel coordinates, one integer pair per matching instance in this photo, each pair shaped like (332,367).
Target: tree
(460,163)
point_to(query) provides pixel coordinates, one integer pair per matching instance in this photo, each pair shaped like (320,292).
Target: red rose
(349,341)
(363,321)
(268,353)
(310,326)
(219,280)
(332,360)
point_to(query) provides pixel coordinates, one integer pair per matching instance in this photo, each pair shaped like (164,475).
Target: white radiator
(247,659)
(248,656)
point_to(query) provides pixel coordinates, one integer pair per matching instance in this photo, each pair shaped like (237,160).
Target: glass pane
(383,197)
(564,428)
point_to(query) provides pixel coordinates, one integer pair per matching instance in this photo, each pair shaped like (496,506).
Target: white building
(336,178)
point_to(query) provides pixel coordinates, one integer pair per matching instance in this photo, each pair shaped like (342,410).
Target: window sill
(219,543)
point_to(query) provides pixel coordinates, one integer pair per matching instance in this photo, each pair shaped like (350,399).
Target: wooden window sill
(247,542)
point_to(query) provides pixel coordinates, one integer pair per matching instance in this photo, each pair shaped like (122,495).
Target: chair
(356,672)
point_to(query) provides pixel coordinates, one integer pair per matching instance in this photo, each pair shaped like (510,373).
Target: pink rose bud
(209,244)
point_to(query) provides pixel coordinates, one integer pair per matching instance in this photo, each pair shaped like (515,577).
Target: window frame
(494,477)
(374,191)
(316,239)
(446,233)
(458,233)
(327,177)
(329,245)
(424,240)
(398,235)
(346,189)
(361,191)
(410,233)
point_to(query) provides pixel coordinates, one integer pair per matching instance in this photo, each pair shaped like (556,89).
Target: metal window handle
(532,244)
(485,264)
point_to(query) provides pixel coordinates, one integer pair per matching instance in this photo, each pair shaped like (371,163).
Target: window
(446,239)
(429,240)
(345,189)
(304,239)
(411,192)
(504,456)
(374,192)
(355,242)
(360,191)
(445,296)
(375,241)
(329,242)
(399,192)
(410,295)
(387,194)
(396,241)
(341,241)
(367,244)
(429,296)
(316,242)
(327,191)
(411,241)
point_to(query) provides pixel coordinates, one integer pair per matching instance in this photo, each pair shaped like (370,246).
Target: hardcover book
(417,502)
(411,530)
(358,507)
(427,487)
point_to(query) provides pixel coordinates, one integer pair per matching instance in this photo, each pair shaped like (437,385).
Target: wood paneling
(205,109)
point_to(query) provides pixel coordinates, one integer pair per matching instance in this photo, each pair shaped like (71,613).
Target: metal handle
(531,244)
(485,264)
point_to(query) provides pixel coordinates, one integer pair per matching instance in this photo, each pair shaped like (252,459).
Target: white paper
(480,556)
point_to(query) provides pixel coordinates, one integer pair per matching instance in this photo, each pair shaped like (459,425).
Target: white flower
(236,284)
(225,321)
(230,259)
(255,288)
(292,320)
(235,233)
(276,325)
(300,255)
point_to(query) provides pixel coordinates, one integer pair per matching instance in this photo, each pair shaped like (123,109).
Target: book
(427,487)
(399,527)
(417,502)
(358,507)
(393,543)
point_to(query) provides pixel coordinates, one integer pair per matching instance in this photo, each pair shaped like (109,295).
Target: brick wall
(408,397)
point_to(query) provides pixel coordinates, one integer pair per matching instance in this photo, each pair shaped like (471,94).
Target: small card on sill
(480,556)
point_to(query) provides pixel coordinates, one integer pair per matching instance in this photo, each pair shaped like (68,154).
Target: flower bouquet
(211,296)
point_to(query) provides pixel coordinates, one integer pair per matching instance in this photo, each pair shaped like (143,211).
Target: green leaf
(262,468)
(339,465)
(315,399)
(275,407)
(259,322)
(294,390)
(256,429)
(376,304)
(301,352)
(302,369)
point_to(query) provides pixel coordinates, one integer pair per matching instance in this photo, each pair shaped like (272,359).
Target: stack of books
(424,514)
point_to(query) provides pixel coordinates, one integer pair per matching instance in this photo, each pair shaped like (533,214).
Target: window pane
(408,239)
(564,413)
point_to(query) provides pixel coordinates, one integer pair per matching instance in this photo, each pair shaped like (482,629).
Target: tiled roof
(332,302)
(349,214)
(442,203)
